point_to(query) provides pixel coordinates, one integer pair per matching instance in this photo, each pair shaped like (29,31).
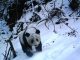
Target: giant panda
(30,38)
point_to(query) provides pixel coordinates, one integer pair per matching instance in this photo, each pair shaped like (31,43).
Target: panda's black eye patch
(32,41)
(27,34)
(37,31)
(36,39)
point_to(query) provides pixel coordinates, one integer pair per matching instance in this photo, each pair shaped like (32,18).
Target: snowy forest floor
(55,46)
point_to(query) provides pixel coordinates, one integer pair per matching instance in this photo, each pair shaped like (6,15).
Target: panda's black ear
(27,34)
(37,31)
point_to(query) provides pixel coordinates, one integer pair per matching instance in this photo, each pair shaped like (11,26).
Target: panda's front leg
(29,53)
(39,48)
(23,47)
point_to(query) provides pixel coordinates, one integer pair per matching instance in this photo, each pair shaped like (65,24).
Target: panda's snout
(35,45)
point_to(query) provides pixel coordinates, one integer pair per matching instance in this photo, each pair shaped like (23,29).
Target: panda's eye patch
(36,39)
(27,34)
(37,31)
(32,41)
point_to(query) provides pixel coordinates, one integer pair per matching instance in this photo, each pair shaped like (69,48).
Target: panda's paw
(39,48)
(24,50)
(29,54)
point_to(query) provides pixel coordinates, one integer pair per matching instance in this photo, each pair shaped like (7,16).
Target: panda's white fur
(21,37)
(33,36)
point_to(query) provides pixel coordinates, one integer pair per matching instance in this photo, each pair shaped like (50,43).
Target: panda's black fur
(26,46)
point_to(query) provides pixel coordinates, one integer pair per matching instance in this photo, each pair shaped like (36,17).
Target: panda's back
(21,36)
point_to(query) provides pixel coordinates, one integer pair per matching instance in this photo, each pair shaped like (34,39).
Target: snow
(55,46)
(61,49)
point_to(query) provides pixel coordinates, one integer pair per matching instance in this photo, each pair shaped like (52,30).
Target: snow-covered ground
(55,46)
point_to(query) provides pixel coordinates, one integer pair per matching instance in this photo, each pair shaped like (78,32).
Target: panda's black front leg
(23,47)
(29,53)
(39,48)
(26,50)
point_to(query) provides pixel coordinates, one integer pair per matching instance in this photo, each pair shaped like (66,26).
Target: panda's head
(32,36)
